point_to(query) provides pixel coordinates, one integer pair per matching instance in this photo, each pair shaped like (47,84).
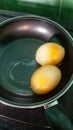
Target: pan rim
(41,103)
(59,94)
(40,18)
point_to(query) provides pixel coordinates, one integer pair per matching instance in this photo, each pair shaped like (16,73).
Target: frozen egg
(45,79)
(50,53)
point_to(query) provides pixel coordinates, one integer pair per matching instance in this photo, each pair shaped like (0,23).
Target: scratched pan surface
(19,39)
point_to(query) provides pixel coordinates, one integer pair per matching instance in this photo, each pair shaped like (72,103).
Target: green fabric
(66,12)
(55,9)
(45,8)
(60,11)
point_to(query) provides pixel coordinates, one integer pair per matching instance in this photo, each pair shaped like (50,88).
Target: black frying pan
(19,39)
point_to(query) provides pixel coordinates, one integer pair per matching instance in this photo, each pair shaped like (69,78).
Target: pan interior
(17,64)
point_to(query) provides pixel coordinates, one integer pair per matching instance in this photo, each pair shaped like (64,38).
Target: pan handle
(57,116)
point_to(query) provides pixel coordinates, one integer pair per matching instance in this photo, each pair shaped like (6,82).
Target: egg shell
(45,79)
(50,53)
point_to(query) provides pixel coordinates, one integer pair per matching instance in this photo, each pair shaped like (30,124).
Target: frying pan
(19,39)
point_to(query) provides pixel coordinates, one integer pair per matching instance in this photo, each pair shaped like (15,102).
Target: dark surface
(22,118)
(8,115)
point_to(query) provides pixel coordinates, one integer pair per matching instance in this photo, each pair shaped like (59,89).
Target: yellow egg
(50,53)
(45,79)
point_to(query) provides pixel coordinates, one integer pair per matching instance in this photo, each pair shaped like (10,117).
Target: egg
(50,53)
(45,79)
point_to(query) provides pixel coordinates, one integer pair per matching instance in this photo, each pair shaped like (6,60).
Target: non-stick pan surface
(19,39)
